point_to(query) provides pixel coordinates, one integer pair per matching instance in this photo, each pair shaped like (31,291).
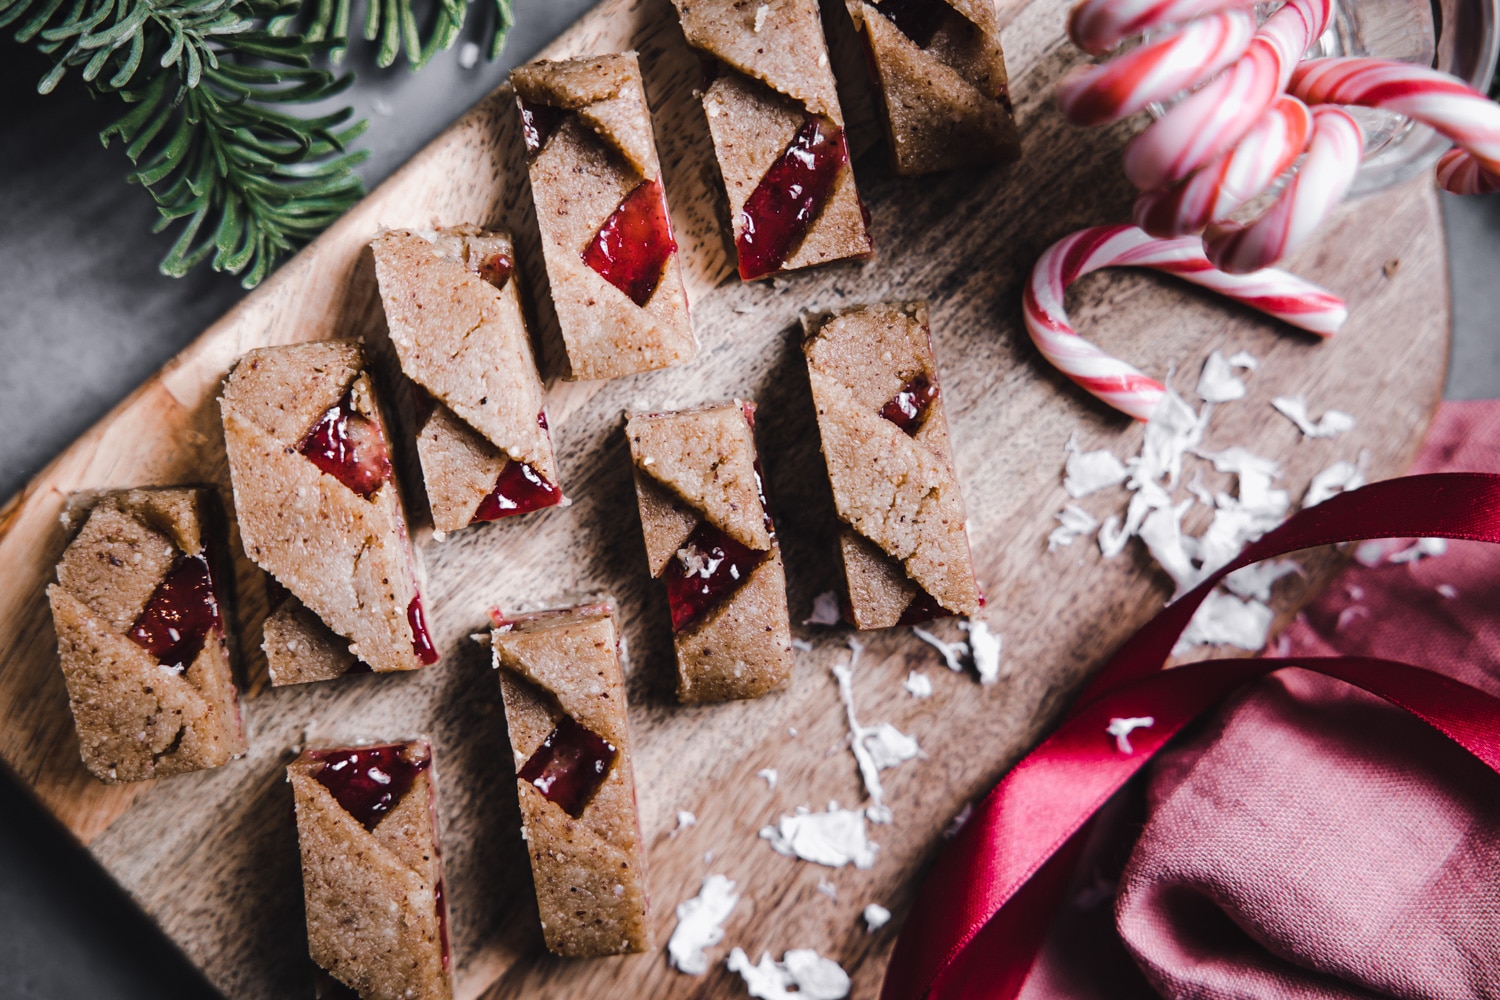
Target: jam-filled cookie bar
(372,879)
(885,440)
(564,695)
(139,613)
(454,312)
(940,73)
(709,537)
(606,237)
(316,496)
(778,133)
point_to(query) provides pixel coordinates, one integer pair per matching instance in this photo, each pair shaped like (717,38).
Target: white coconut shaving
(876,917)
(985,647)
(834,838)
(700,924)
(1090,471)
(468,55)
(770,776)
(1349,616)
(1121,729)
(1426,548)
(1256,580)
(802,974)
(825,610)
(1219,383)
(875,748)
(918,684)
(1447,591)
(1244,359)
(1340,477)
(1073,523)
(760,17)
(828,889)
(685,819)
(953,653)
(1330,425)
(803,645)
(1225,620)
(889,746)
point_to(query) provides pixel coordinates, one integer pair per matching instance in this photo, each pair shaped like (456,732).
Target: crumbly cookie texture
(454,312)
(593,155)
(300,649)
(344,555)
(147,701)
(941,75)
(884,429)
(773,76)
(564,691)
(371,869)
(710,538)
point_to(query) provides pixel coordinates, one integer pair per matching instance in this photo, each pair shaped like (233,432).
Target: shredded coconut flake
(889,746)
(1226,620)
(685,819)
(1219,383)
(918,685)
(1073,522)
(952,652)
(803,645)
(834,838)
(985,645)
(958,821)
(802,974)
(1244,359)
(1349,616)
(1090,471)
(1331,424)
(700,924)
(828,889)
(1340,477)
(1447,590)
(468,55)
(876,917)
(768,773)
(825,610)
(1255,581)
(1121,729)
(760,17)
(1426,548)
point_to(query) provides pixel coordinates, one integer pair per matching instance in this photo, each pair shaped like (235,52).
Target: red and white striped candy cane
(1447,104)
(1121,385)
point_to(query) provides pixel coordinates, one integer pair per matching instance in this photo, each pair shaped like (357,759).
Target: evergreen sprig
(208,128)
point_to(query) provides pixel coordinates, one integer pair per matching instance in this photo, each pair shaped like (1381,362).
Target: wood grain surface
(212,856)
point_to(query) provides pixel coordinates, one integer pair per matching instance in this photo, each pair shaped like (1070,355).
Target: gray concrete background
(84,318)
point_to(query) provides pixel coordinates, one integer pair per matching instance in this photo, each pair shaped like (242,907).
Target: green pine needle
(207,86)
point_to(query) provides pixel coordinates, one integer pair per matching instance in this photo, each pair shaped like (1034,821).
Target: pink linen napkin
(1312,841)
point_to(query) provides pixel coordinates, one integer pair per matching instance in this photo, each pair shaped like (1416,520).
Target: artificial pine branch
(208,83)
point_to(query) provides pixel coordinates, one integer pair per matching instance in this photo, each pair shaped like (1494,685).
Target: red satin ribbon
(985,908)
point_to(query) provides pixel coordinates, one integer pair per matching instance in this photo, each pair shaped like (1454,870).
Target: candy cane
(1447,104)
(1121,385)
(1320,183)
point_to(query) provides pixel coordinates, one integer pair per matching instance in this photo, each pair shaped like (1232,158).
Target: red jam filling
(631,248)
(496,269)
(178,617)
(570,765)
(421,639)
(710,567)
(923,608)
(918,20)
(909,406)
(789,197)
(518,490)
(369,781)
(538,122)
(349,447)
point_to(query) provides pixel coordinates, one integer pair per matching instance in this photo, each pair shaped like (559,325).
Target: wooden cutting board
(212,856)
